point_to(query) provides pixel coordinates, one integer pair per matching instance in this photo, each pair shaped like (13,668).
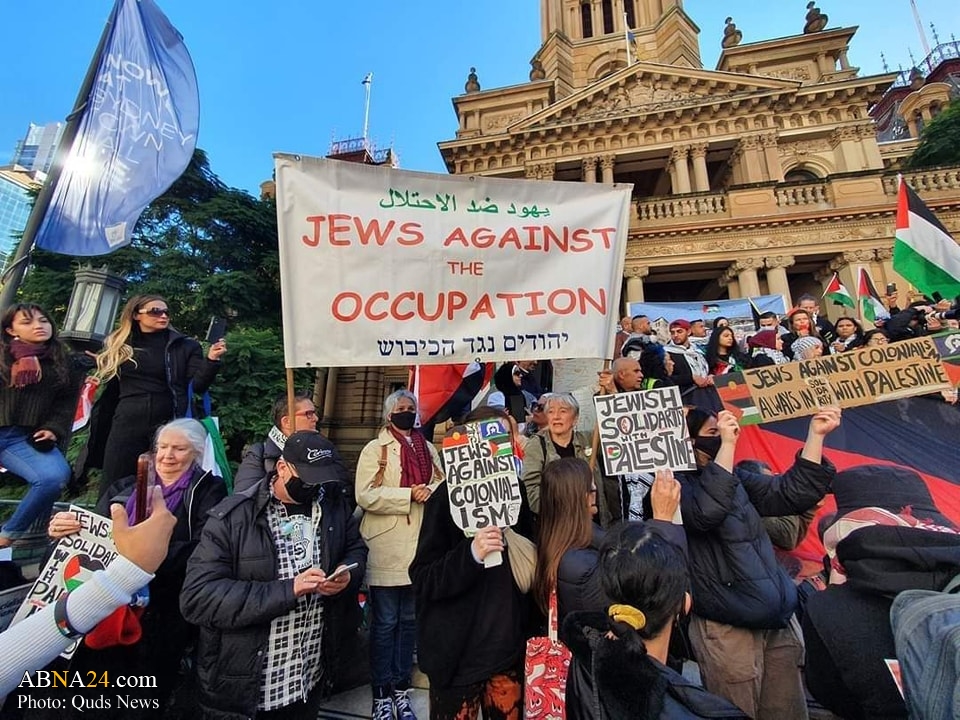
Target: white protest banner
(644,431)
(481,474)
(388,267)
(75,558)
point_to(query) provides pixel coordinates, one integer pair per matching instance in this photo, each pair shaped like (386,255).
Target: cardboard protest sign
(644,431)
(481,475)
(75,558)
(407,268)
(10,601)
(860,377)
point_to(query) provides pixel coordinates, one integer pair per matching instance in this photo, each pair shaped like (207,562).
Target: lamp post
(92,308)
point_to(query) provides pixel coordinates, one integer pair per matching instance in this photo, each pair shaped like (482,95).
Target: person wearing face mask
(397,473)
(741,628)
(277,567)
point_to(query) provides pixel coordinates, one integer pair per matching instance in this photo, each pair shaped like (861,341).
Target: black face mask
(301,494)
(708,445)
(404,420)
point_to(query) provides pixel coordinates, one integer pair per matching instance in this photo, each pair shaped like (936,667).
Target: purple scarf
(172,494)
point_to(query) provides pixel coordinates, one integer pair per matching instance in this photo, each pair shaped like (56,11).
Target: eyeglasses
(537,407)
(156,312)
(307,413)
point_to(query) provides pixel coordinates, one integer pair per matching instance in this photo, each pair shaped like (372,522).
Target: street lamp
(93,307)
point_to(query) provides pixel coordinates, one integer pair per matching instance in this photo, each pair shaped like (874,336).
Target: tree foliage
(939,141)
(210,250)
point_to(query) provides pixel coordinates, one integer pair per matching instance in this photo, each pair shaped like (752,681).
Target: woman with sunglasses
(148,367)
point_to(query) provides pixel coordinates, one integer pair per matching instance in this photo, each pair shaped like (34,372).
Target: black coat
(455,597)
(232,592)
(615,679)
(735,575)
(184,362)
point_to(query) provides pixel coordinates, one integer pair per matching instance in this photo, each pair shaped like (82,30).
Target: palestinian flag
(870,302)
(837,293)
(446,391)
(923,251)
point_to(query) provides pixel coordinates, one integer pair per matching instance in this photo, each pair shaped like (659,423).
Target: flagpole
(626,38)
(13,275)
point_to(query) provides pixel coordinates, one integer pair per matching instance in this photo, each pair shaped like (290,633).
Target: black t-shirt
(565,451)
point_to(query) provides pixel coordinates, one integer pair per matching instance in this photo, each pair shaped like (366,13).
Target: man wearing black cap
(277,567)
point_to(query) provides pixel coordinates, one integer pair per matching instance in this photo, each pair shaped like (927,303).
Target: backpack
(926,630)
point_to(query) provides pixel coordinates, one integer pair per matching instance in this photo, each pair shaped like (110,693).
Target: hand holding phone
(343,569)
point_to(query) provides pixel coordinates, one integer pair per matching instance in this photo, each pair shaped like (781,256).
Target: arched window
(586,19)
(631,12)
(801,175)
(607,7)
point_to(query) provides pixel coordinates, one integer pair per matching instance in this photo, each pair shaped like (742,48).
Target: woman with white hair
(190,492)
(396,474)
(560,438)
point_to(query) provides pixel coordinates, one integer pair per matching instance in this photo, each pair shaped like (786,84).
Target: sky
(285,75)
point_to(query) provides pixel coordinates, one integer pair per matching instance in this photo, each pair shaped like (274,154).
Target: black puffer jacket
(232,592)
(613,678)
(735,575)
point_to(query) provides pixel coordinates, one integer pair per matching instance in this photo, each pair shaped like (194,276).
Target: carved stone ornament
(731,36)
(498,122)
(780,261)
(536,71)
(647,96)
(636,271)
(473,83)
(816,20)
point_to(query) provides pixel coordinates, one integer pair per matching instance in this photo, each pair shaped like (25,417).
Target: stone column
(746,272)
(606,168)
(868,143)
(635,275)
(750,165)
(589,165)
(777,282)
(729,281)
(678,160)
(846,149)
(548,170)
(701,181)
(771,155)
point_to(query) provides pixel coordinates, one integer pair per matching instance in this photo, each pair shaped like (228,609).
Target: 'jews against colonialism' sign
(387,267)
(481,474)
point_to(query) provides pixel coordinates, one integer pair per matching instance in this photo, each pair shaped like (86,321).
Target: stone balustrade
(798,195)
(926,181)
(677,207)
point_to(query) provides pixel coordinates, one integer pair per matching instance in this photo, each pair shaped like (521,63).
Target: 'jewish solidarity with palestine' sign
(387,267)
(875,374)
(481,474)
(645,431)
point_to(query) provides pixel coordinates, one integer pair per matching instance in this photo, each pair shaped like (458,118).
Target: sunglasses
(156,312)
(537,407)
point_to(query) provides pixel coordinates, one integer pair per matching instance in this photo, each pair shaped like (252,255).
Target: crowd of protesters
(255,597)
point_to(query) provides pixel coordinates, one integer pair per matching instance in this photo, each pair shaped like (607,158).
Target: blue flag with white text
(136,137)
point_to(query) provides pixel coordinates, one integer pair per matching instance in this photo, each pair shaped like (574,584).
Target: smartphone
(891,288)
(517,407)
(217,329)
(344,569)
(146,479)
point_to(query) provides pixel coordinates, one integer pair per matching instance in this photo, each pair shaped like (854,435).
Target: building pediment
(646,88)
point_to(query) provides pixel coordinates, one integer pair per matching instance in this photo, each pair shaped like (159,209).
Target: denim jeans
(45,472)
(393,634)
